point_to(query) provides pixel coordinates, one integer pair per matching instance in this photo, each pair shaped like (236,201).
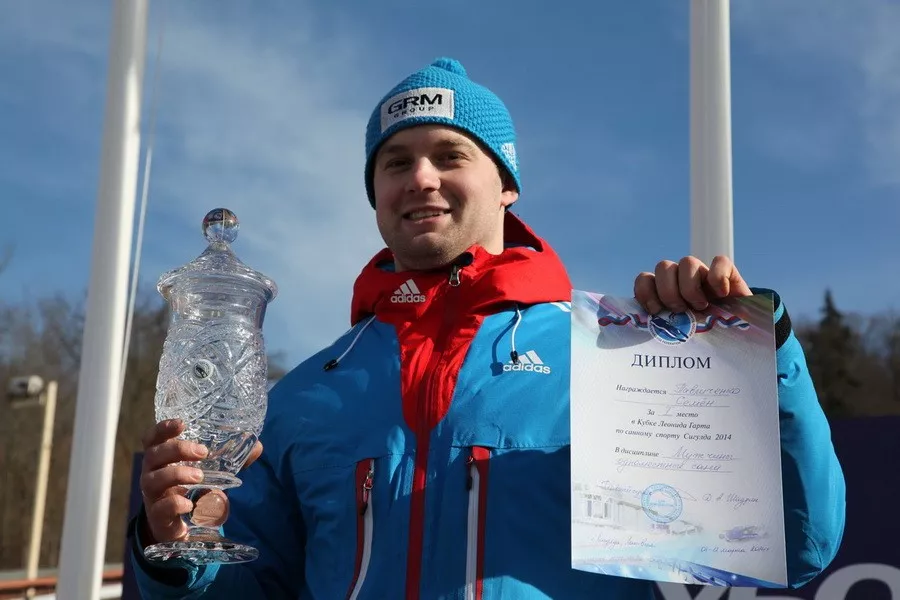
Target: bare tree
(44,338)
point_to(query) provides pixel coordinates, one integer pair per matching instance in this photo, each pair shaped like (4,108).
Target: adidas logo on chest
(529,362)
(408,293)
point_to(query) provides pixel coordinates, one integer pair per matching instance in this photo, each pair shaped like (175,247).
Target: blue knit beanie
(443,93)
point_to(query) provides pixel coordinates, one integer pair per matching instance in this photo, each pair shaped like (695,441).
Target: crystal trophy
(213,376)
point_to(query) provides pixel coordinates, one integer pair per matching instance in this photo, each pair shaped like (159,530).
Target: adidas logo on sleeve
(530,362)
(408,293)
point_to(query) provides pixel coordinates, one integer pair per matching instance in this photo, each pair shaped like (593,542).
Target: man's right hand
(163,480)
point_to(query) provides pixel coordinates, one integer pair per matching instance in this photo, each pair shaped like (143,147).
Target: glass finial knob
(220,225)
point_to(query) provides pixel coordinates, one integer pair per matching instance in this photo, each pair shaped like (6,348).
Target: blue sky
(262,108)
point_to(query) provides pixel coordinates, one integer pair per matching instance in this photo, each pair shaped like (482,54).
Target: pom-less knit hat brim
(442,93)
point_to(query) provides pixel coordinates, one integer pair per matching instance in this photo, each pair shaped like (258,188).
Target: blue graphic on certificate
(676,455)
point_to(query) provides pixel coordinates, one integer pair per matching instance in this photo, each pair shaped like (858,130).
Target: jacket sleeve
(264,515)
(812,479)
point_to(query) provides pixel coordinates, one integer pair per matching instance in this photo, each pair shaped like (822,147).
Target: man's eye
(396,163)
(452,156)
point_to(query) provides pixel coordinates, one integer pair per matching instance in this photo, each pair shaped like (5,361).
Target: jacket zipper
(365,478)
(454,275)
(423,435)
(477,464)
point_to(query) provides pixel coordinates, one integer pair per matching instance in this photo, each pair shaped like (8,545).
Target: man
(418,463)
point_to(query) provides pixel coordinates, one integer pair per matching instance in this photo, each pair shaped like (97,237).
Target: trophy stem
(204,543)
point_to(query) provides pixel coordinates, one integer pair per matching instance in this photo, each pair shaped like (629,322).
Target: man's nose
(423,176)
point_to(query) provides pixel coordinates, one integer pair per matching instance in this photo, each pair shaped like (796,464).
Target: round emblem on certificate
(661,503)
(672,328)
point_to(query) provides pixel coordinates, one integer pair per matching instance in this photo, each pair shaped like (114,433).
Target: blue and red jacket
(425,454)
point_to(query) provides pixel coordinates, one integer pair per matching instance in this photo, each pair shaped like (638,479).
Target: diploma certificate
(676,454)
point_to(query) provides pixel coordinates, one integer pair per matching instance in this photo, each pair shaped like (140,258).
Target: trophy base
(203,546)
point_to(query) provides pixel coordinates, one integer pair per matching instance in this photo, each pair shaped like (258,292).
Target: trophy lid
(218,262)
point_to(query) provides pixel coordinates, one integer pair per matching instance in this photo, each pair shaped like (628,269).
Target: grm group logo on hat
(420,102)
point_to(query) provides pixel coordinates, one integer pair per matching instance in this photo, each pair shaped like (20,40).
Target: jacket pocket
(477,482)
(365,478)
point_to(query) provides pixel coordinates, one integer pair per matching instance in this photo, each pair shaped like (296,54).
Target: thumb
(211,509)
(738,287)
(725,280)
(254,454)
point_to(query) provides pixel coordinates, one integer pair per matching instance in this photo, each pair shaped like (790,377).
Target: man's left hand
(689,283)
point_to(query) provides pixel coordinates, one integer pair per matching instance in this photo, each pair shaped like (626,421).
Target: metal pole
(97,409)
(712,227)
(40,488)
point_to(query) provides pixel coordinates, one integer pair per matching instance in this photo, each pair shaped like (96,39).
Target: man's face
(437,192)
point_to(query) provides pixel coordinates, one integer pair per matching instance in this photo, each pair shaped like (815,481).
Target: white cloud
(259,111)
(78,30)
(881,109)
(800,143)
(854,44)
(51,99)
(259,121)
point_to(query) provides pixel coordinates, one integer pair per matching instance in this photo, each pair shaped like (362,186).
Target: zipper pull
(470,464)
(366,490)
(454,275)
(464,260)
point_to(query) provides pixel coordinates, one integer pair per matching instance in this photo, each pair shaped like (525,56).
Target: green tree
(833,354)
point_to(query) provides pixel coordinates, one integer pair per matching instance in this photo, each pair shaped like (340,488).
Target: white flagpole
(712,225)
(97,409)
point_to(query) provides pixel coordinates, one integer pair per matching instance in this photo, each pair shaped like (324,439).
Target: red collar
(529,272)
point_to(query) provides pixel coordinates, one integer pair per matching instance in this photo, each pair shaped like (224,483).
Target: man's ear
(507,181)
(509,197)
(510,191)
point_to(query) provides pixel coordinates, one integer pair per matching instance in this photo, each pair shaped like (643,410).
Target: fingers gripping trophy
(213,375)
